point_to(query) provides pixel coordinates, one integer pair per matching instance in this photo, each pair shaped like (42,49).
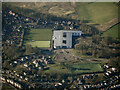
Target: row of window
(76,33)
(65,35)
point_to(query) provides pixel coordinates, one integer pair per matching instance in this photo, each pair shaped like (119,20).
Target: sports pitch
(75,68)
(38,38)
(40,44)
(86,68)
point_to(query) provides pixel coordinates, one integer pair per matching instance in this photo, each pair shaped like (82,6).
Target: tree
(12,52)
(115,62)
(29,49)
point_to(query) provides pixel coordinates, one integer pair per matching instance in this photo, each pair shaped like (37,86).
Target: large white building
(64,38)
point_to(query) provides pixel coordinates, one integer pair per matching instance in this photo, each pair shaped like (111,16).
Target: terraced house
(65,38)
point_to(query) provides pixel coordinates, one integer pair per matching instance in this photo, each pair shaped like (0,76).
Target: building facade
(64,38)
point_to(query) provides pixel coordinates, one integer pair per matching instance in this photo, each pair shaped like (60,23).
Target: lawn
(38,37)
(98,12)
(112,32)
(74,68)
(57,68)
(39,44)
(86,68)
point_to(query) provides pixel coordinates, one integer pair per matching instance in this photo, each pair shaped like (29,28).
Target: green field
(38,37)
(57,68)
(74,68)
(86,68)
(39,43)
(112,32)
(98,12)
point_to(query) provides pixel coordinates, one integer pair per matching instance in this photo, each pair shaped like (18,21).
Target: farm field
(112,32)
(38,37)
(98,12)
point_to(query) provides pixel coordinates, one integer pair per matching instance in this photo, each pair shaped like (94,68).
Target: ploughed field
(38,38)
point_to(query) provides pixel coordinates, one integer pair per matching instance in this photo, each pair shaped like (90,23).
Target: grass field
(74,68)
(38,37)
(39,43)
(98,12)
(86,68)
(57,68)
(112,32)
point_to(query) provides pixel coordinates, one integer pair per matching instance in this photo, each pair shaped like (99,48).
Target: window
(64,41)
(64,34)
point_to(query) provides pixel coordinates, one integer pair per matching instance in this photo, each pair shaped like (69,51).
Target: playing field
(38,38)
(86,68)
(39,43)
(74,68)
(57,68)
(113,32)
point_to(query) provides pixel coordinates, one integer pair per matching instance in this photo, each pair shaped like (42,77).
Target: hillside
(101,15)
(94,12)
(98,12)
(112,32)
(58,9)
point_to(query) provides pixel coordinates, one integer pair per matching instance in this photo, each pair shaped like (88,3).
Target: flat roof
(67,31)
